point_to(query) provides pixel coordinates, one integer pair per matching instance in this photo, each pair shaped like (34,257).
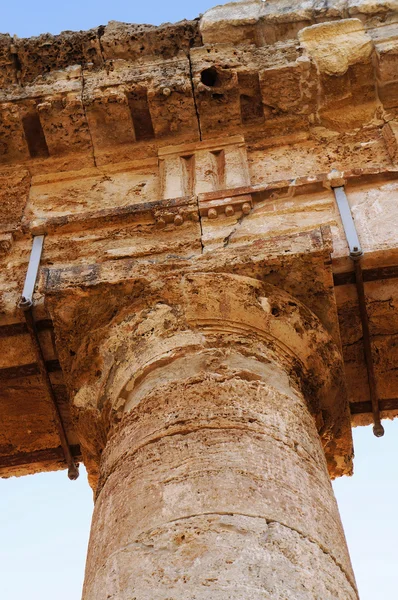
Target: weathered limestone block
(386,68)
(139,239)
(64,124)
(207,399)
(96,189)
(109,119)
(371,7)
(387,54)
(8,74)
(13,146)
(172,106)
(131,41)
(234,24)
(118,234)
(257,88)
(342,51)
(287,209)
(133,107)
(46,53)
(375,212)
(14,191)
(273,217)
(48,121)
(254,21)
(218,100)
(281,88)
(335,46)
(320,151)
(324,11)
(55,83)
(390,134)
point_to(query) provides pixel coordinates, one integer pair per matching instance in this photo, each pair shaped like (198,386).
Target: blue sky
(45,519)
(26,18)
(45,522)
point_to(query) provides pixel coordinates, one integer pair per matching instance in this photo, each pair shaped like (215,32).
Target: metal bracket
(26,304)
(356,254)
(348,223)
(32,272)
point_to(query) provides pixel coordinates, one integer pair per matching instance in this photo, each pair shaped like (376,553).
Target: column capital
(177,318)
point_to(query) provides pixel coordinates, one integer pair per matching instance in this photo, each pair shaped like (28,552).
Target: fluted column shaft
(215,487)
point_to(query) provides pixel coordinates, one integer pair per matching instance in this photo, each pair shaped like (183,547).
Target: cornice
(119,93)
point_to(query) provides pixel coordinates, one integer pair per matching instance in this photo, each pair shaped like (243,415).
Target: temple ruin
(198,286)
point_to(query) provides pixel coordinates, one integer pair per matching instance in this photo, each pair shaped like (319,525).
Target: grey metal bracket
(32,272)
(348,222)
(26,304)
(356,254)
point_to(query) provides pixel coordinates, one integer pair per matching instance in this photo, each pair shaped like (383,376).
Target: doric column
(213,482)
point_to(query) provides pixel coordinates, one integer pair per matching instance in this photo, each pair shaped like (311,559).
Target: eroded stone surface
(208,443)
(337,46)
(164,165)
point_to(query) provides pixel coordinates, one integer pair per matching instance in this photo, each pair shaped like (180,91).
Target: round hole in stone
(210,77)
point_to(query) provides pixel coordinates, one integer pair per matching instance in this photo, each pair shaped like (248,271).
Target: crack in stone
(271,522)
(200,224)
(85,116)
(227,239)
(302,535)
(200,138)
(100,33)
(193,95)
(192,430)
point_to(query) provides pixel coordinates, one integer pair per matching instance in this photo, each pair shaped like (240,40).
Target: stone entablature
(60,110)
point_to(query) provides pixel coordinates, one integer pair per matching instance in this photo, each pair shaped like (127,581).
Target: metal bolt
(212,214)
(378,430)
(73,472)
